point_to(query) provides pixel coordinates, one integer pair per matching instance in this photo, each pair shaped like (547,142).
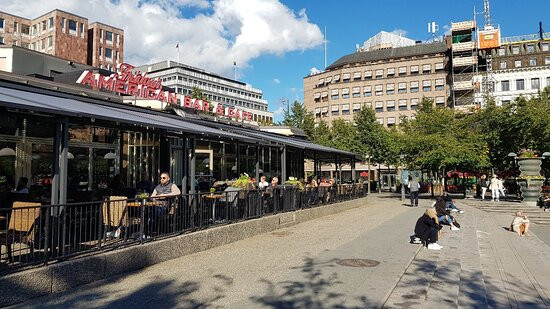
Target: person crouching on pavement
(427,229)
(520,224)
(444,215)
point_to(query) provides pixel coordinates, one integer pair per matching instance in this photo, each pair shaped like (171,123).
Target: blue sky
(351,22)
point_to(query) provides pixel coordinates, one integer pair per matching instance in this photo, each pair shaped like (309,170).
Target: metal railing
(32,234)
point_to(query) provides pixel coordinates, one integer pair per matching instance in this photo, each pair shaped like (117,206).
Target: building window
(380,120)
(414,87)
(379,73)
(505,85)
(118,59)
(545,46)
(533,62)
(345,93)
(81,30)
(439,66)
(504,102)
(402,88)
(50,22)
(43,25)
(535,84)
(356,93)
(391,72)
(15,27)
(368,75)
(43,44)
(72,27)
(390,89)
(335,109)
(403,104)
(367,91)
(63,24)
(402,71)
(426,85)
(378,91)
(517,63)
(501,51)
(1,23)
(414,103)
(520,84)
(100,51)
(1,40)
(100,35)
(108,53)
(530,48)
(109,37)
(117,40)
(503,64)
(390,106)
(547,60)
(414,69)
(548,81)
(379,107)
(426,68)
(390,121)
(515,50)
(50,41)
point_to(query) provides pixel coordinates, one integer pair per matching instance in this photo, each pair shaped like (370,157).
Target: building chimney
(541,33)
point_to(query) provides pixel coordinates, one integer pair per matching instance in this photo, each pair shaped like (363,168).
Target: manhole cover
(358,262)
(281,233)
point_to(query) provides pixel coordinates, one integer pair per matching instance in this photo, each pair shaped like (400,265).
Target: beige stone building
(392,81)
(65,35)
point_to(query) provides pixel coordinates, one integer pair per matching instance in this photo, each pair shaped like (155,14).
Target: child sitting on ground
(520,224)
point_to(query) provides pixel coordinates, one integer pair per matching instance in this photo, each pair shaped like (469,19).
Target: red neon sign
(139,84)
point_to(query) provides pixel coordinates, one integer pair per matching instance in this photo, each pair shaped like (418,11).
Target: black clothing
(426,229)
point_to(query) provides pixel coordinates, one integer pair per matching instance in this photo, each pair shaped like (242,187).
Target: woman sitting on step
(427,229)
(444,214)
(520,224)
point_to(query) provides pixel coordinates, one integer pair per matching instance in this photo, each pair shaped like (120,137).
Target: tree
(322,134)
(439,140)
(344,136)
(372,138)
(299,117)
(196,93)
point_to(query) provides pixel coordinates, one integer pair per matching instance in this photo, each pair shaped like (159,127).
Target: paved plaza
(359,258)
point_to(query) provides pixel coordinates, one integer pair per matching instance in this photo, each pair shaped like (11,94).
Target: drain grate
(358,262)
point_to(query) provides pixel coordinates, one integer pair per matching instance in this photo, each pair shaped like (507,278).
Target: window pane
(108,35)
(72,25)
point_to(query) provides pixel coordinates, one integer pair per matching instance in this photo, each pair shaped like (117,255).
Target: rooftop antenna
(432,30)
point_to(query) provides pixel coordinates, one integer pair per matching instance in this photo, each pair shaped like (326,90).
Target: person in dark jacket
(427,229)
(444,214)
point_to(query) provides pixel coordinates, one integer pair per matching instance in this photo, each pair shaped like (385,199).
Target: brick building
(65,35)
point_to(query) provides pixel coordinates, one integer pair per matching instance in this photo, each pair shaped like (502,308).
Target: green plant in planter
(242,182)
(292,181)
(212,190)
(143,196)
(528,153)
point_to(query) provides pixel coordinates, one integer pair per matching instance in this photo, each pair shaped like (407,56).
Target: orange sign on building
(489,39)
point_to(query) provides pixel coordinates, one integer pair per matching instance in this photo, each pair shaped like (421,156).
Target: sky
(275,43)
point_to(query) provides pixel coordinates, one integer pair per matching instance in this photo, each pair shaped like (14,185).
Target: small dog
(520,224)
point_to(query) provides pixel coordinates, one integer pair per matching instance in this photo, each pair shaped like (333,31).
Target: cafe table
(214,198)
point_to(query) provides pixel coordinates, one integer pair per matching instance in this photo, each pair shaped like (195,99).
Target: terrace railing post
(142,220)
(100,225)
(47,236)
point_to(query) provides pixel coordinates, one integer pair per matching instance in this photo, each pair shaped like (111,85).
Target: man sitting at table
(164,189)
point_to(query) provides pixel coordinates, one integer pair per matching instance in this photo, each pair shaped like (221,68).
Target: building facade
(183,78)
(65,35)
(105,46)
(520,67)
(391,81)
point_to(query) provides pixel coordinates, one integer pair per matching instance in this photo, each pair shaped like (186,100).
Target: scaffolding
(464,69)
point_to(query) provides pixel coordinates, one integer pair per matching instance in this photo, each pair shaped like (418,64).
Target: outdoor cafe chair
(21,226)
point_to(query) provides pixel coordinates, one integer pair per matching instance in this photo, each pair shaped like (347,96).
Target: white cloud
(276,81)
(219,33)
(314,70)
(279,112)
(447,29)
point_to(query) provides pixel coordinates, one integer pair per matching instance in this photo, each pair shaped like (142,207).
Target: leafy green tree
(322,134)
(196,93)
(299,117)
(344,136)
(372,138)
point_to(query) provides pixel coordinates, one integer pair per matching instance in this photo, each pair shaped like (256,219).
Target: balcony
(459,47)
(464,61)
(463,26)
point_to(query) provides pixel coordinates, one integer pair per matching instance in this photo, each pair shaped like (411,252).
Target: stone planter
(530,179)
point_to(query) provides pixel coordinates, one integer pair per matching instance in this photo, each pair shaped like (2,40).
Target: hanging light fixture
(70,155)
(7,152)
(110,156)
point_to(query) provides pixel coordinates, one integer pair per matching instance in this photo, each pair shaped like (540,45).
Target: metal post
(315,171)
(257,164)
(353,170)
(283,165)
(368,175)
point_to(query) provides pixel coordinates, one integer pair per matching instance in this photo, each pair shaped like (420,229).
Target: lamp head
(512,154)
(546,154)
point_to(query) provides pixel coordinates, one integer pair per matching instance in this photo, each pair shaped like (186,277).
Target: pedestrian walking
(501,188)
(484,185)
(414,187)
(493,186)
